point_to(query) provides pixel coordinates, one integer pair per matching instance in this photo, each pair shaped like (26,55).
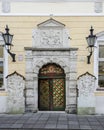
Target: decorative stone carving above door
(51,34)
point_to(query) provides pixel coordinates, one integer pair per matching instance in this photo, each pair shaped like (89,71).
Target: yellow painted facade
(3,93)
(78,26)
(99,93)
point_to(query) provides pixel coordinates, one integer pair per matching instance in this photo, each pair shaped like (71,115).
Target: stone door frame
(36,58)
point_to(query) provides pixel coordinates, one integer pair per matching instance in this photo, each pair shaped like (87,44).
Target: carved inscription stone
(15,89)
(86,98)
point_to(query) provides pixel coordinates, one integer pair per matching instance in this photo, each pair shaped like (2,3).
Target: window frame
(100,41)
(5,63)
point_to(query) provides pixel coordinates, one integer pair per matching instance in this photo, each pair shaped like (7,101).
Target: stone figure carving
(15,89)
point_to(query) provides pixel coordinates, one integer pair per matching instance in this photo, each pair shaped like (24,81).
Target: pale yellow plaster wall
(52,8)
(3,93)
(22,26)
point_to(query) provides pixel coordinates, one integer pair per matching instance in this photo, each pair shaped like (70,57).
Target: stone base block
(16,111)
(86,110)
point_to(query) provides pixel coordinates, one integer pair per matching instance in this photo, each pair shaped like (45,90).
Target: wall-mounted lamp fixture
(91,39)
(8,42)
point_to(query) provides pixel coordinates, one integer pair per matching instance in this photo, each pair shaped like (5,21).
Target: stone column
(29,91)
(72,82)
(67,93)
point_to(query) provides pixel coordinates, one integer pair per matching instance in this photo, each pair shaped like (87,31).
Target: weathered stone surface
(30,101)
(29,84)
(15,89)
(29,92)
(86,98)
(50,34)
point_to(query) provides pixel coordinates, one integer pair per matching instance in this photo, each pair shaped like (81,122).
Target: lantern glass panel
(8,39)
(91,41)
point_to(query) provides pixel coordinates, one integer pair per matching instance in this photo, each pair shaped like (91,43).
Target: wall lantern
(91,39)
(8,42)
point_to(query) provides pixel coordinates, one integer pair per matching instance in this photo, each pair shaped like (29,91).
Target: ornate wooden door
(51,88)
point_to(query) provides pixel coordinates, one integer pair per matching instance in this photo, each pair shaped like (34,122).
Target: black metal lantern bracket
(91,39)
(8,42)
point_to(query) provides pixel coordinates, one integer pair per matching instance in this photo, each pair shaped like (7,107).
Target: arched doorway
(51,88)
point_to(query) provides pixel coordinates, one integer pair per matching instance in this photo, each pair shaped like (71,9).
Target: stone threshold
(51,112)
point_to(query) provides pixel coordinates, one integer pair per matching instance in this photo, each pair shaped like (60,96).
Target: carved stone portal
(15,89)
(50,45)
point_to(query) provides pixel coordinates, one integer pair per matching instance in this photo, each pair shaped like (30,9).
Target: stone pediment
(51,23)
(50,34)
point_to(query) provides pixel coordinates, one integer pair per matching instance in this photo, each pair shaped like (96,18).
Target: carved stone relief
(86,85)
(16,85)
(52,34)
(39,62)
(86,98)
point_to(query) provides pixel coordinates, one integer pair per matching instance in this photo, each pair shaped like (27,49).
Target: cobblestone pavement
(51,121)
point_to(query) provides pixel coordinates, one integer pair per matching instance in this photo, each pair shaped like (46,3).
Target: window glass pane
(101,74)
(1,52)
(1,73)
(1,66)
(101,51)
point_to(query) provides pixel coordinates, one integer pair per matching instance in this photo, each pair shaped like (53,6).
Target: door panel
(58,94)
(51,94)
(44,94)
(51,88)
